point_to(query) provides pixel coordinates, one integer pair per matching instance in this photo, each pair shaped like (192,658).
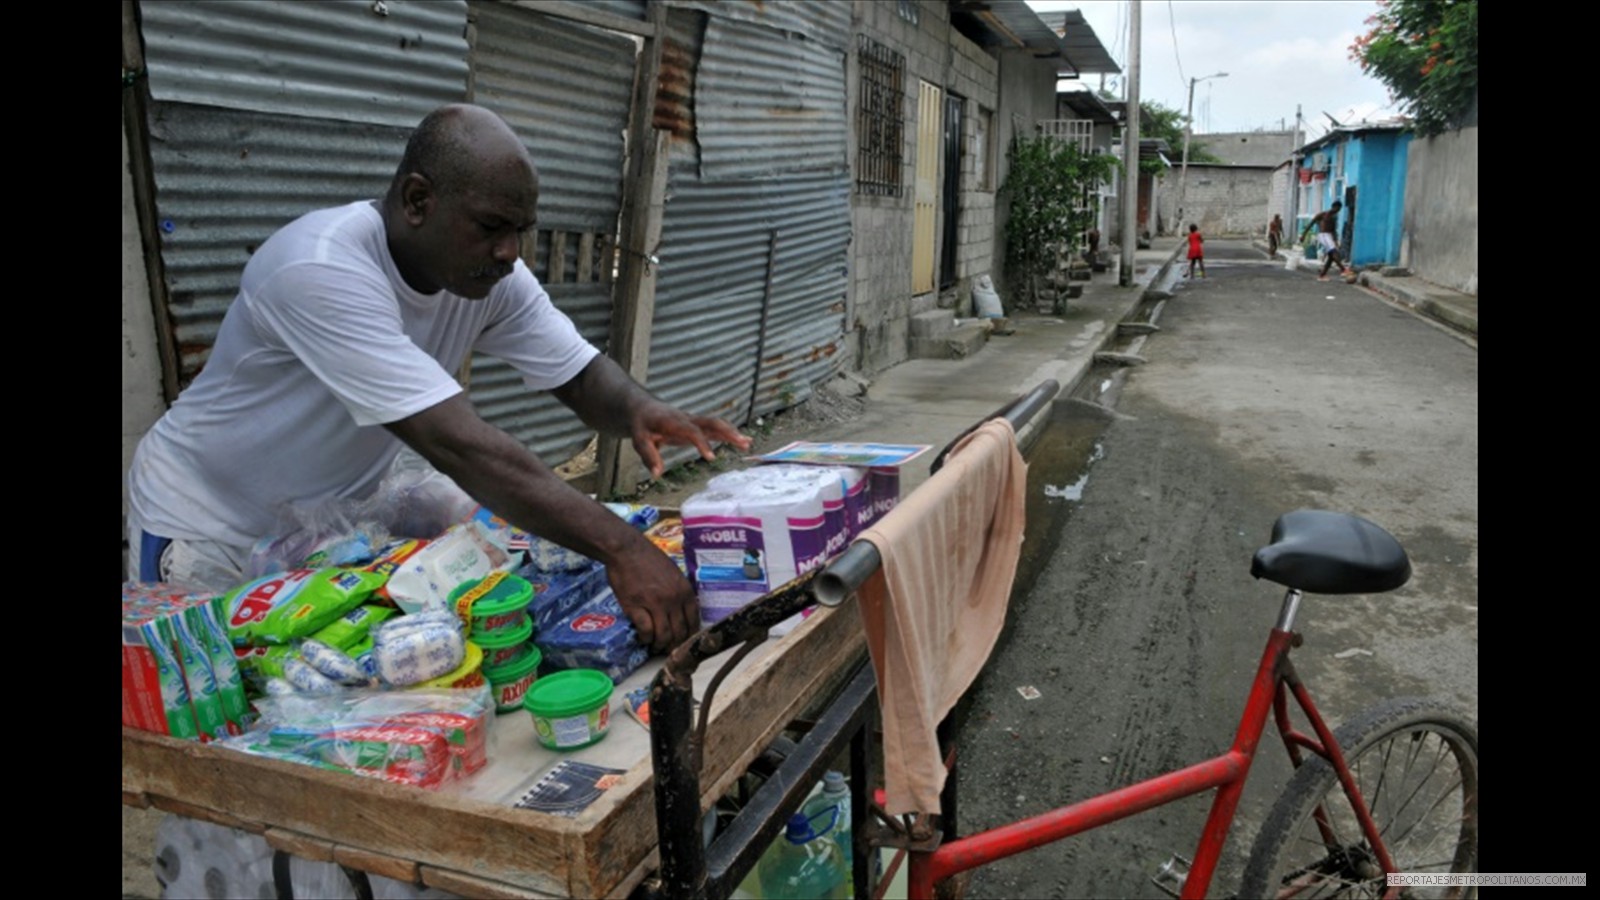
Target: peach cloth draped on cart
(935,609)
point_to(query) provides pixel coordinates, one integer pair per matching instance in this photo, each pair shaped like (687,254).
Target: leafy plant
(1051,189)
(1426,51)
(1157,121)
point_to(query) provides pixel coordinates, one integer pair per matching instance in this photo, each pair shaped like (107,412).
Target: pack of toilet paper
(751,531)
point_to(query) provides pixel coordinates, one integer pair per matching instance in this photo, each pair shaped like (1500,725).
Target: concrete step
(957,343)
(933,324)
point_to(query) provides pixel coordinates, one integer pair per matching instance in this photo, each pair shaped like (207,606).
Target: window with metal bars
(880,119)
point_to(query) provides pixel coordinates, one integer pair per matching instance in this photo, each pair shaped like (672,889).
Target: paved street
(1139,625)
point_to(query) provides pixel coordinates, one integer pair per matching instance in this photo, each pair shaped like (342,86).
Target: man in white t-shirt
(339,349)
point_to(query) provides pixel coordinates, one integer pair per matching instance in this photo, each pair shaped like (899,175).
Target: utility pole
(1188,129)
(1130,154)
(1294,179)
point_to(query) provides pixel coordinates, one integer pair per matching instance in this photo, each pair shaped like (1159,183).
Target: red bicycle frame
(1275,679)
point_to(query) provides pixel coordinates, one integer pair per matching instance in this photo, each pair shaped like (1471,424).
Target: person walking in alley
(1197,253)
(1326,224)
(1274,235)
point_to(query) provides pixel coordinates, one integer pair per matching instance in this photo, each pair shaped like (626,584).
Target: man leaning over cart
(339,349)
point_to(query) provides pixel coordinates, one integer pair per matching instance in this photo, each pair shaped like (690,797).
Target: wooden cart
(470,837)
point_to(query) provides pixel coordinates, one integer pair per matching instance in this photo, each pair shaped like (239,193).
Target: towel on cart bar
(936,607)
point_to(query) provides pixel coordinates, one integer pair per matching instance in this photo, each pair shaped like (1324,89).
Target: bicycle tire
(1429,821)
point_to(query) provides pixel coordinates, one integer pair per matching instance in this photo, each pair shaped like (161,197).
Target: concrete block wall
(880,301)
(1233,200)
(1439,226)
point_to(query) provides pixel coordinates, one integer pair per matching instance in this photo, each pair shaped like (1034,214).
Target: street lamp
(1188,129)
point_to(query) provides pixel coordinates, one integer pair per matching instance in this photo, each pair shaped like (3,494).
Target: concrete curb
(1069,383)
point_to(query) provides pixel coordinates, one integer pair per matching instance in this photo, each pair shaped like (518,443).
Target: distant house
(1364,167)
(1233,196)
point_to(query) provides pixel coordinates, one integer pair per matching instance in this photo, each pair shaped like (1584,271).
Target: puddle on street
(1059,461)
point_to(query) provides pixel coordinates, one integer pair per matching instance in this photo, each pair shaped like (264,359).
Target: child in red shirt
(1196,254)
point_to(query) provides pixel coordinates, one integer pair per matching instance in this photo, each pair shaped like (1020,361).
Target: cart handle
(861,560)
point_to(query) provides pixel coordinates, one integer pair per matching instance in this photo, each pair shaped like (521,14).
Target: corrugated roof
(1013,23)
(1080,45)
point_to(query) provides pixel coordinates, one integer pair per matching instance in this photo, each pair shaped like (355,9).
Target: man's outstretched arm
(503,475)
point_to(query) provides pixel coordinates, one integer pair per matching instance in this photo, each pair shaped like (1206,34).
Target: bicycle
(1393,791)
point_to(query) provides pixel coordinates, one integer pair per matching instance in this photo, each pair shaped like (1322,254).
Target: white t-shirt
(323,345)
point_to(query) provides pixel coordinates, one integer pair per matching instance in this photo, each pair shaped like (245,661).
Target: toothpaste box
(155,696)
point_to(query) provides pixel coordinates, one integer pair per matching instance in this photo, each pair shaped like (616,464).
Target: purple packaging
(885,489)
(598,635)
(734,559)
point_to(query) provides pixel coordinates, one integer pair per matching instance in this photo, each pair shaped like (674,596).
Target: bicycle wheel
(1416,765)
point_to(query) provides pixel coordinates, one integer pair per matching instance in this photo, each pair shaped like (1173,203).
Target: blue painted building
(1364,167)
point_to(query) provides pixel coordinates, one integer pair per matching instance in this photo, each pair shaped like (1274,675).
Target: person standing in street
(1326,224)
(1197,253)
(1274,235)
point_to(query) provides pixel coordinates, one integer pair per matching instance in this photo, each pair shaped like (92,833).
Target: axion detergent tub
(511,681)
(505,645)
(570,709)
(495,603)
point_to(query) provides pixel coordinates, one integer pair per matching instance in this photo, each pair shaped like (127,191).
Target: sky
(1277,53)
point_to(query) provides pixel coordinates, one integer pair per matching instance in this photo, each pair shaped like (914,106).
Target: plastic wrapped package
(198,860)
(598,635)
(422,737)
(556,595)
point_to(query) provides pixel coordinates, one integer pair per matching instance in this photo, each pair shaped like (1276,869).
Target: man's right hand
(657,597)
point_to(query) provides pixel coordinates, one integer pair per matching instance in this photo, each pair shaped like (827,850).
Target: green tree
(1426,51)
(1050,186)
(1157,121)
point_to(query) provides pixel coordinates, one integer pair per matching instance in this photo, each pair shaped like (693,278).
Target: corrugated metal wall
(567,89)
(264,110)
(759,146)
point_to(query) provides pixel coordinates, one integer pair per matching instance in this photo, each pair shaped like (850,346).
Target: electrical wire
(1172,24)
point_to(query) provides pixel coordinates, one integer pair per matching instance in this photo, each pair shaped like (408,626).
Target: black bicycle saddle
(1322,552)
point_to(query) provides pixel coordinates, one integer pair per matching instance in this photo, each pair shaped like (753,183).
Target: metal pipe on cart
(861,560)
(687,869)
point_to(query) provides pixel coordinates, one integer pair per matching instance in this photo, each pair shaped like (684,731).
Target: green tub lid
(492,595)
(511,671)
(505,637)
(568,693)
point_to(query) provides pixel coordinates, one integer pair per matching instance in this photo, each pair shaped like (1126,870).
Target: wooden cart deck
(469,838)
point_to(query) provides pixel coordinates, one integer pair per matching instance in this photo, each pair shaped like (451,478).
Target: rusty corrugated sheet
(827,21)
(566,88)
(738,171)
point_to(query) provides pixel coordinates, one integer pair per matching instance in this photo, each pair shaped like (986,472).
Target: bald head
(456,146)
(464,193)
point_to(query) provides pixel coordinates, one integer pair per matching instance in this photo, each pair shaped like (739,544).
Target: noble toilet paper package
(740,544)
(842,489)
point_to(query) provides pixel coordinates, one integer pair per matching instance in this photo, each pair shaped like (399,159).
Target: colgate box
(154,694)
(597,635)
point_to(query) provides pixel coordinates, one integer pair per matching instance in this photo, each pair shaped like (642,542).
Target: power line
(1172,23)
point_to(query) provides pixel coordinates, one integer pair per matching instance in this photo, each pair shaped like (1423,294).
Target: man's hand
(657,598)
(658,424)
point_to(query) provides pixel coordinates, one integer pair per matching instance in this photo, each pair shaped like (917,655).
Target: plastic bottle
(835,794)
(803,864)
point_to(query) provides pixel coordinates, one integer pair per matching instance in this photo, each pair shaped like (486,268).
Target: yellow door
(929,110)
